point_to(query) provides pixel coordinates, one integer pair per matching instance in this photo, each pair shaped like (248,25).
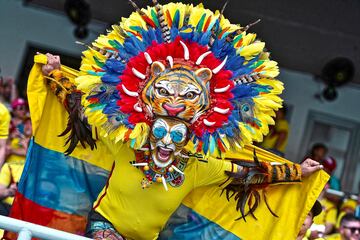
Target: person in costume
(175,92)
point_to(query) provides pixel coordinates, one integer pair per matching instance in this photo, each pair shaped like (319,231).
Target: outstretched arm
(66,92)
(251,177)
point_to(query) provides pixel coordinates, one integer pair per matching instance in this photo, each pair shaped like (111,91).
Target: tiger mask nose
(173,110)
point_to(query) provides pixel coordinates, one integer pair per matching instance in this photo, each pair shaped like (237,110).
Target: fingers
(315,168)
(311,162)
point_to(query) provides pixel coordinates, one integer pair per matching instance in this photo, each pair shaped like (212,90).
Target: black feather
(77,129)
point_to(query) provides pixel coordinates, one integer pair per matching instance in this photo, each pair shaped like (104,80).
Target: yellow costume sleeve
(213,172)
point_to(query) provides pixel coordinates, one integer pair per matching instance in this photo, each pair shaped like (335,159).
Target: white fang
(170,60)
(129,93)
(218,68)
(178,170)
(209,124)
(221,110)
(221,90)
(137,107)
(144,149)
(186,51)
(138,74)
(201,58)
(139,164)
(164,183)
(148,58)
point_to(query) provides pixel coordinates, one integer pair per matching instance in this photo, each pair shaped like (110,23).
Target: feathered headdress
(243,93)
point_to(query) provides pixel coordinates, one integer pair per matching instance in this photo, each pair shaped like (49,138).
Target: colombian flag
(58,191)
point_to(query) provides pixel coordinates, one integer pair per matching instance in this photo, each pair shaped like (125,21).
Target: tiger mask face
(177,92)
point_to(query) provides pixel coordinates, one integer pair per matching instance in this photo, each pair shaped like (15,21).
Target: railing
(28,230)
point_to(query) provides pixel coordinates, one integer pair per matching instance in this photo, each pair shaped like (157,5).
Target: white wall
(300,89)
(20,24)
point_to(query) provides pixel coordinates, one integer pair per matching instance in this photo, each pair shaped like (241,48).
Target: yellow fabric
(15,144)
(287,201)
(335,236)
(141,220)
(45,109)
(328,215)
(4,121)
(145,211)
(271,139)
(11,173)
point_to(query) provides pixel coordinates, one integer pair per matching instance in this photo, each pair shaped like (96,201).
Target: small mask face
(167,138)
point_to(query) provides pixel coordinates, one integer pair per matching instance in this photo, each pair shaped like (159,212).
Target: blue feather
(111,79)
(205,140)
(114,65)
(176,20)
(212,144)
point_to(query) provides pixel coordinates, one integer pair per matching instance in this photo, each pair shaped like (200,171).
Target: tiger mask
(178,91)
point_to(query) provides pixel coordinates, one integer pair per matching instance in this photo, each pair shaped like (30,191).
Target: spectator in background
(318,152)
(8,91)
(324,223)
(11,171)
(276,140)
(20,113)
(349,229)
(347,206)
(4,131)
(305,232)
(17,147)
(329,164)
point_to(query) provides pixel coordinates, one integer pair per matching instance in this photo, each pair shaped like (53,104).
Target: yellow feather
(251,50)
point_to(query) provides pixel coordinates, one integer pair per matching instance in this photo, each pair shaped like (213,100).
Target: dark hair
(318,146)
(348,217)
(284,109)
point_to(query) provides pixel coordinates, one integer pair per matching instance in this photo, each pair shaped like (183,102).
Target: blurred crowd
(334,216)
(15,134)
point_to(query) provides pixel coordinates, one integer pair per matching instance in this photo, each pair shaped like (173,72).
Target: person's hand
(53,62)
(310,166)
(8,150)
(11,190)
